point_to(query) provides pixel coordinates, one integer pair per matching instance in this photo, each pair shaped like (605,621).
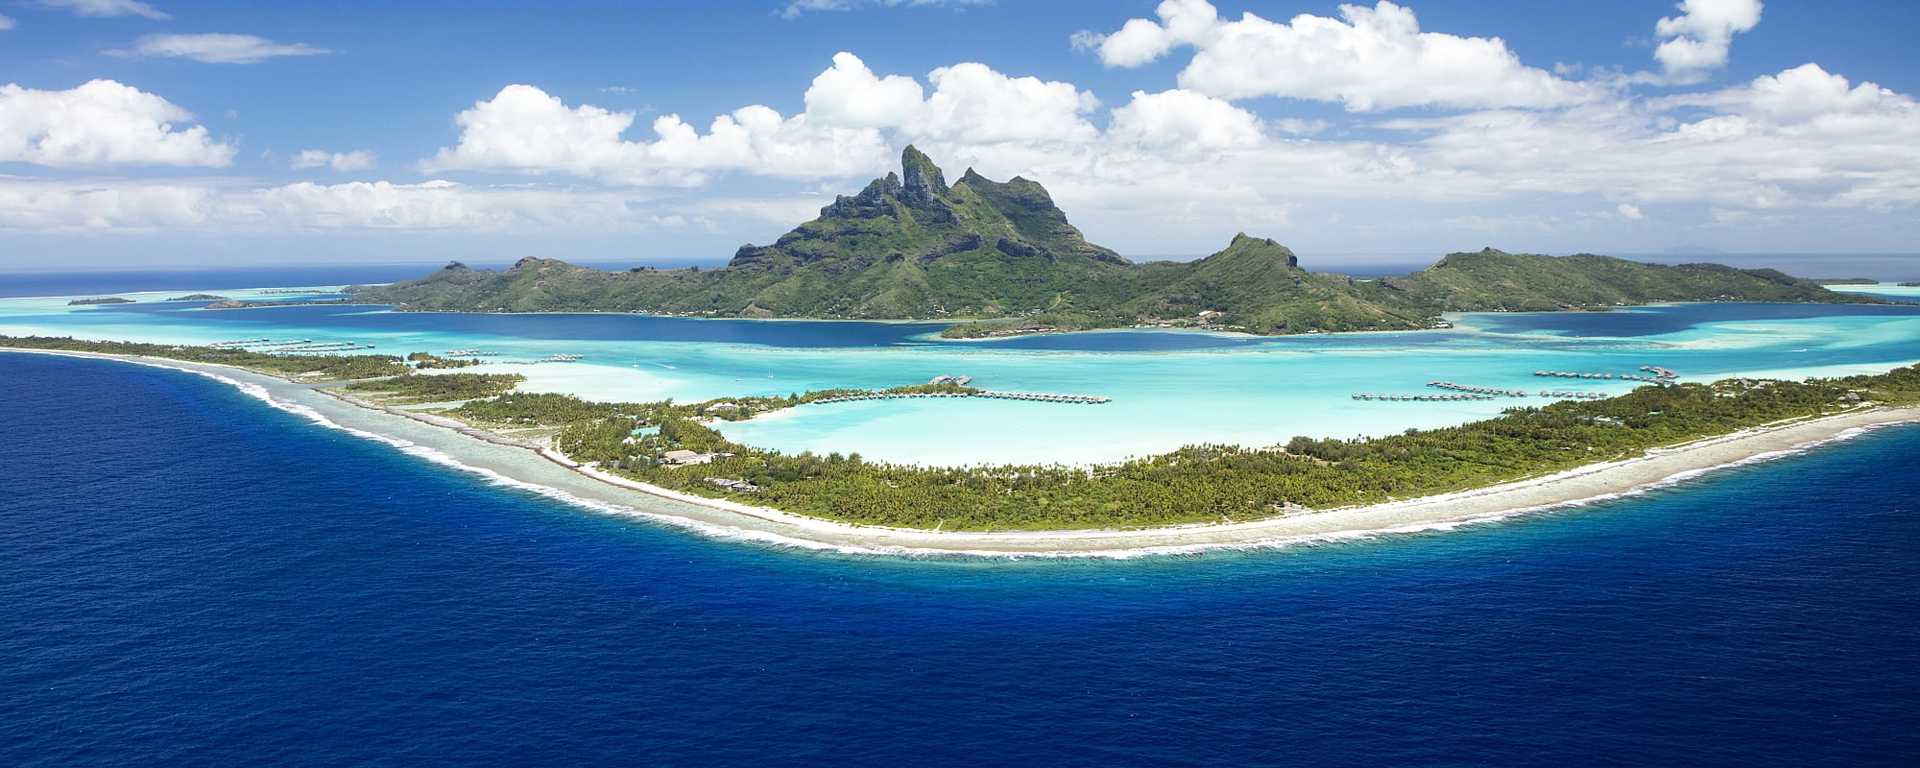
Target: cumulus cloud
(1800,139)
(1809,93)
(1139,41)
(850,94)
(101,122)
(850,114)
(216,48)
(974,101)
(522,129)
(5,23)
(1368,59)
(1178,165)
(138,206)
(797,8)
(356,160)
(968,99)
(1696,42)
(1180,118)
(107,8)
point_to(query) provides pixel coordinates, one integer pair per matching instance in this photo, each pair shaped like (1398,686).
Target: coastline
(531,467)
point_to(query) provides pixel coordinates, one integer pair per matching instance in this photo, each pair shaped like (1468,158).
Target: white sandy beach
(519,464)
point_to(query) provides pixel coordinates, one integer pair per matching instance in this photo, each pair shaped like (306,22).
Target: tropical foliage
(1200,483)
(1003,257)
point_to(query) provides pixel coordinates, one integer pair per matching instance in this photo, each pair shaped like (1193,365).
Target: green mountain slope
(1491,280)
(1002,255)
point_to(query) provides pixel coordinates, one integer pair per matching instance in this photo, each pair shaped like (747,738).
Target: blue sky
(132,135)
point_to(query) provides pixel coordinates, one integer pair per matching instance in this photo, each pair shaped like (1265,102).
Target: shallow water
(191,578)
(1890,291)
(1169,388)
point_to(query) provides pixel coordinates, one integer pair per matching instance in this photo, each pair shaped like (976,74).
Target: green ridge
(1003,256)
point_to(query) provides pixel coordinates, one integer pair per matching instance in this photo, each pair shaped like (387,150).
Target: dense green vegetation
(437,388)
(429,360)
(1201,483)
(1003,256)
(1491,280)
(313,367)
(524,409)
(104,300)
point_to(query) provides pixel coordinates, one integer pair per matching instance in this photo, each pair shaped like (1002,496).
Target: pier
(1472,390)
(1659,375)
(291,346)
(1422,398)
(1037,397)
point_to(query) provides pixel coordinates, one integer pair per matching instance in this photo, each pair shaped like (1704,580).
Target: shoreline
(528,466)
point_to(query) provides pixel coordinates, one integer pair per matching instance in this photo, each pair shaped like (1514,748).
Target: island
(257,303)
(670,449)
(102,300)
(999,258)
(198,297)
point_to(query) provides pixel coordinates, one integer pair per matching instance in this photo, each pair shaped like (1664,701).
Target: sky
(163,133)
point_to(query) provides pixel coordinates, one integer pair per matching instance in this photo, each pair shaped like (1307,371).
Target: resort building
(682,457)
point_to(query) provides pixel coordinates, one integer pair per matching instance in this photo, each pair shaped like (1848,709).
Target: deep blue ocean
(188,577)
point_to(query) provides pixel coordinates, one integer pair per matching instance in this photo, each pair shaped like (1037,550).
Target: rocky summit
(1002,257)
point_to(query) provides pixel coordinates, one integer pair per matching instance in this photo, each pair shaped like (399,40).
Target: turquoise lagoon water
(1168,388)
(1893,291)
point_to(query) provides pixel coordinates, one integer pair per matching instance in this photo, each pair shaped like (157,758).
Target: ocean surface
(188,577)
(1168,388)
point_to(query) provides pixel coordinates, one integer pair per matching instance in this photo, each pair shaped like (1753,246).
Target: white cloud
(1139,41)
(842,133)
(522,129)
(1808,93)
(356,160)
(1368,59)
(101,122)
(6,23)
(972,100)
(107,8)
(968,99)
(797,8)
(1298,127)
(1179,118)
(849,94)
(137,206)
(1184,160)
(1179,166)
(216,48)
(1696,42)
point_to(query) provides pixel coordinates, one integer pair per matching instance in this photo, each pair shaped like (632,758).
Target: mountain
(1002,256)
(1493,281)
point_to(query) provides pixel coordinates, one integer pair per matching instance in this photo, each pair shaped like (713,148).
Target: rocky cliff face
(916,216)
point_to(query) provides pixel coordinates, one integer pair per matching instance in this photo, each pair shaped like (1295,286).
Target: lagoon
(1168,388)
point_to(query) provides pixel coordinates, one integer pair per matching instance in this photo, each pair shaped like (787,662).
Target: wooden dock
(1037,397)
